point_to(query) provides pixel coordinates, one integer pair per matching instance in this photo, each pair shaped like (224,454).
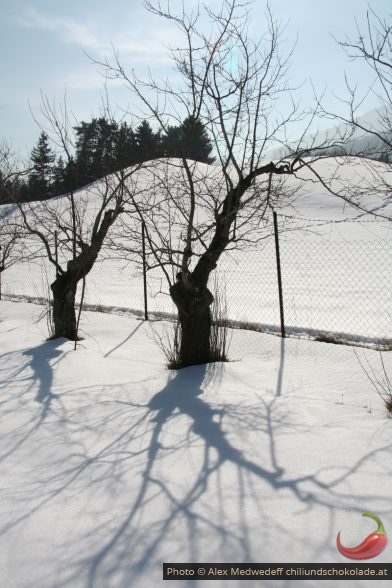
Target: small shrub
(219,342)
(380,382)
(170,340)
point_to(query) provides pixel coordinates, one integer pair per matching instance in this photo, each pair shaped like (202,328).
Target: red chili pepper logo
(370,547)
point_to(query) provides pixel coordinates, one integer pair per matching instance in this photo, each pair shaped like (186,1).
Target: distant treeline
(103,147)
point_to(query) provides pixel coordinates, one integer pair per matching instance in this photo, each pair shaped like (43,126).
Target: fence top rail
(361,221)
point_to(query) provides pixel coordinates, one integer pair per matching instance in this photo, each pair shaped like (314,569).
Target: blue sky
(44,43)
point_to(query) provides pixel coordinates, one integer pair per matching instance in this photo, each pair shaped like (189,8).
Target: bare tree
(71,230)
(12,250)
(232,85)
(372,45)
(12,234)
(12,174)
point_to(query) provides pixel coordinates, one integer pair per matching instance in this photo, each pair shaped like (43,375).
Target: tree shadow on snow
(144,453)
(135,545)
(43,360)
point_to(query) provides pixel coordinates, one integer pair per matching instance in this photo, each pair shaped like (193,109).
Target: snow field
(334,281)
(336,260)
(112,465)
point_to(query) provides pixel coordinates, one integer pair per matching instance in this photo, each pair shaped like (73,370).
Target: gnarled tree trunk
(64,316)
(65,285)
(193,304)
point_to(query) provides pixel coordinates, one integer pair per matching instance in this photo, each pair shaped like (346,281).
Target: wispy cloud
(67,29)
(138,44)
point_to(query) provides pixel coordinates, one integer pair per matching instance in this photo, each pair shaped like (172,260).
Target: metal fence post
(144,270)
(278,269)
(56,252)
(1,271)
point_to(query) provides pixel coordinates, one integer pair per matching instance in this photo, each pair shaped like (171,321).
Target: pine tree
(105,140)
(7,193)
(147,142)
(195,140)
(95,149)
(40,178)
(125,153)
(4,189)
(188,140)
(13,190)
(171,143)
(84,158)
(58,185)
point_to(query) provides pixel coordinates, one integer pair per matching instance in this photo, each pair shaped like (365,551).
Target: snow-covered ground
(111,465)
(336,262)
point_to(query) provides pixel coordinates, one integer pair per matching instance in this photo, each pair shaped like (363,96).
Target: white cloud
(68,30)
(137,44)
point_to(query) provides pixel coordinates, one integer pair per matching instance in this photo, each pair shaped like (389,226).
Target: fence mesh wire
(332,289)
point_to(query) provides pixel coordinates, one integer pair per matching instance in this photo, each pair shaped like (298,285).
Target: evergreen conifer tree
(195,141)
(95,149)
(125,153)
(148,144)
(59,174)
(171,143)
(40,178)
(188,140)
(103,157)
(84,157)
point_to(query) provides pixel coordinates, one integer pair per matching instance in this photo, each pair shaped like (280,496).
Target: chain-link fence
(332,289)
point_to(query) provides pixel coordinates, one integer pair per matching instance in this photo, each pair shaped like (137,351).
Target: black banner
(276,571)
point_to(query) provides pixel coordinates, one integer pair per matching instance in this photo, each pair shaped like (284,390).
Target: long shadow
(270,411)
(42,362)
(279,383)
(131,334)
(182,396)
(175,419)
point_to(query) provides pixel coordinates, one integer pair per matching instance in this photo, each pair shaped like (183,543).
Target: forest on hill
(102,147)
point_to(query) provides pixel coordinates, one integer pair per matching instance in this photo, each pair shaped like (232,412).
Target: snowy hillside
(301,194)
(336,274)
(344,175)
